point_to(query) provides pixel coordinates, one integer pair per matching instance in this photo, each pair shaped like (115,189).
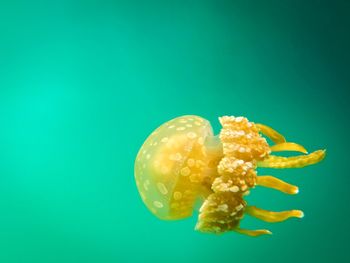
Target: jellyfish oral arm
(275,183)
(253,233)
(292,162)
(270,216)
(273,135)
(288,146)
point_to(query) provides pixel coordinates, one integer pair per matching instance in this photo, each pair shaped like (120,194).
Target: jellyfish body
(183,162)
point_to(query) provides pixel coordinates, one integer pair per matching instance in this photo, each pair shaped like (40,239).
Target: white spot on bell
(162,188)
(185,171)
(191,135)
(158,204)
(177,195)
(165,139)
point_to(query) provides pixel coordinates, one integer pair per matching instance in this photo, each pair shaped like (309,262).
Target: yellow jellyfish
(183,162)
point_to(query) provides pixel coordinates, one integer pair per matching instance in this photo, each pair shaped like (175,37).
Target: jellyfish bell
(169,167)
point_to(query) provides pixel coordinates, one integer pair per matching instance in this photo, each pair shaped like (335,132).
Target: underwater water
(83,83)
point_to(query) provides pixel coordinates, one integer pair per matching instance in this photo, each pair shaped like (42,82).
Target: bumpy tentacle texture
(292,162)
(244,149)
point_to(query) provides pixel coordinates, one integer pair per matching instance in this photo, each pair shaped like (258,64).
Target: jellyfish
(183,166)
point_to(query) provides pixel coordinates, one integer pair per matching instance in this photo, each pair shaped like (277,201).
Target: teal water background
(83,83)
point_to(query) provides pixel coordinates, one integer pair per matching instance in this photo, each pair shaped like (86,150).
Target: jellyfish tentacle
(272,217)
(275,183)
(292,162)
(253,233)
(288,146)
(280,142)
(275,136)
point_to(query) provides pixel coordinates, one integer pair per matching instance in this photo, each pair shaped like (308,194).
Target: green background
(83,83)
